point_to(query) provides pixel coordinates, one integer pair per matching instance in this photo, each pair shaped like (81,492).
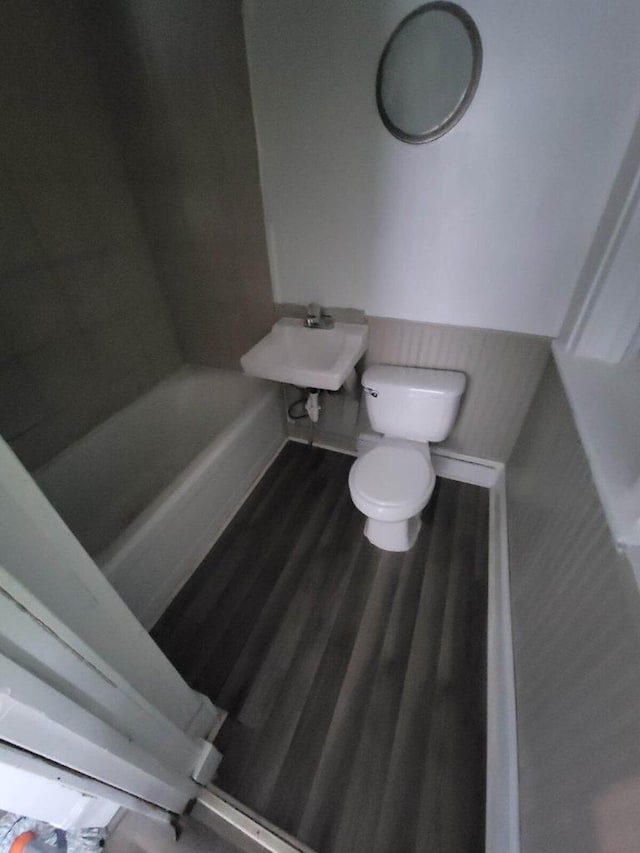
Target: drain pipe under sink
(312,406)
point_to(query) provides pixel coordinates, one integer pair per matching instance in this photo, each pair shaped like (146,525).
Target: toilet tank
(415,403)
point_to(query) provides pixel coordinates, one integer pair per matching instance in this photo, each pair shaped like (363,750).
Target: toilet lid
(390,476)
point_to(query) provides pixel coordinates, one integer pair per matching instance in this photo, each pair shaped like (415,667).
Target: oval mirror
(428,72)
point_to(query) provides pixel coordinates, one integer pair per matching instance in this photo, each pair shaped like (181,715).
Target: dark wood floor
(354,678)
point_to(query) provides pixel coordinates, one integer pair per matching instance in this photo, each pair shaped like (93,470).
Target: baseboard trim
(502,808)
(239,825)
(447,463)
(466,469)
(327,442)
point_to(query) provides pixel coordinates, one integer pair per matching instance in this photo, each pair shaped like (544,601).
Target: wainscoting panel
(502,368)
(576,628)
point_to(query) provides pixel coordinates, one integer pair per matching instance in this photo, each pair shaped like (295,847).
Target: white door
(87,699)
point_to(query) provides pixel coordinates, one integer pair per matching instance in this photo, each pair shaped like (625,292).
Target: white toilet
(392,483)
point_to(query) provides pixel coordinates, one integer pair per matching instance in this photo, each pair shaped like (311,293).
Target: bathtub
(148,491)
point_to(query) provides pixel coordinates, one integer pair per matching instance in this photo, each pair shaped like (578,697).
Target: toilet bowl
(391,484)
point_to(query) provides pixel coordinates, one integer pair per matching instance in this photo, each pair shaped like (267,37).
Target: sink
(309,358)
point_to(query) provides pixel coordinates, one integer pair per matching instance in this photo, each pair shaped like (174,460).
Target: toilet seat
(392,483)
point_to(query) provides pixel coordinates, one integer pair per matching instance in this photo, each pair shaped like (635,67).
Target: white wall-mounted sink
(309,358)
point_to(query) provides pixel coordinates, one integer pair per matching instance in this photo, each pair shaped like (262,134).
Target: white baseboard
(446,463)
(327,441)
(466,469)
(502,804)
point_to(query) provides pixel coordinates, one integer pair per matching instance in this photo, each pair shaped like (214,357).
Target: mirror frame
(476,45)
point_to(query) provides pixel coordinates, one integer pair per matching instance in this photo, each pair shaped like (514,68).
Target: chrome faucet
(316,318)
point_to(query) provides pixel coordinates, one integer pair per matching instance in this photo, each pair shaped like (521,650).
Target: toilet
(392,482)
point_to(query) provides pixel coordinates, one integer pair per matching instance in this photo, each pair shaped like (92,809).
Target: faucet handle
(316,317)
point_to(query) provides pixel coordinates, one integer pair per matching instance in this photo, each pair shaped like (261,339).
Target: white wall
(487,226)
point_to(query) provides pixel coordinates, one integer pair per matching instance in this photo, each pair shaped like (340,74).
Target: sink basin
(309,358)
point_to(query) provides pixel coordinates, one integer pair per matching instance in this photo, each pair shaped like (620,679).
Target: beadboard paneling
(576,626)
(502,368)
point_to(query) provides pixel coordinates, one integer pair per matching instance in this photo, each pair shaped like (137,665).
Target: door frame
(82,684)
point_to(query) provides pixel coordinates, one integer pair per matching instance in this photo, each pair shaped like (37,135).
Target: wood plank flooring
(354,678)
